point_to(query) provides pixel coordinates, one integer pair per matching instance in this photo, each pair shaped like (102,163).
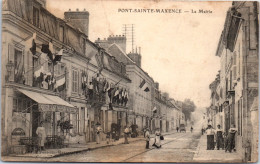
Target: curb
(89,149)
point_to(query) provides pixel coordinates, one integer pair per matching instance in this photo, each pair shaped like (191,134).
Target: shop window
(15,105)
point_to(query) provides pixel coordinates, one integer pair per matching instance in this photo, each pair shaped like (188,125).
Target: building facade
(52,74)
(238,81)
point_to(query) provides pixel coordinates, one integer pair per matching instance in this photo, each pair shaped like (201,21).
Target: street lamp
(9,68)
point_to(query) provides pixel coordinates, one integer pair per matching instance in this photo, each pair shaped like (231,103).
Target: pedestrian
(191,129)
(98,133)
(231,139)
(219,137)
(108,137)
(126,132)
(177,128)
(157,140)
(41,133)
(147,138)
(210,137)
(114,135)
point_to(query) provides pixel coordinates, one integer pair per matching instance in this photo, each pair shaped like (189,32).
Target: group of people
(157,139)
(223,140)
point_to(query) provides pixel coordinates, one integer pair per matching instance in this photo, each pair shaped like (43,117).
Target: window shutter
(79,81)
(234,72)
(30,65)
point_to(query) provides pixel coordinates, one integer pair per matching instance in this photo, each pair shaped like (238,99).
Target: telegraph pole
(129,32)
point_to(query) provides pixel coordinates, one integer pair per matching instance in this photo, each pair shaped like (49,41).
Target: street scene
(129,81)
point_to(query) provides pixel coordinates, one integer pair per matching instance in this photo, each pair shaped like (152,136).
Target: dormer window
(36,16)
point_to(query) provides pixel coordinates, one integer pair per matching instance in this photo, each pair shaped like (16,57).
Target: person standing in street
(147,138)
(219,137)
(126,132)
(108,137)
(98,133)
(157,142)
(210,137)
(41,133)
(191,129)
(177,128)
(231,139)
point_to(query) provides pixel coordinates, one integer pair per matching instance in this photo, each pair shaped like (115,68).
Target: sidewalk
(216,156)
(77,148)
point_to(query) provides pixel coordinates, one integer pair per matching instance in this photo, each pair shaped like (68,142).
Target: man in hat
(126,132)
(231,139)
(210,137)
(219,137)
(147,138)
(98,132)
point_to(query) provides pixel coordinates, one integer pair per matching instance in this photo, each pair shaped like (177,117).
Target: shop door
(167,126)
(35,122)
(119,118)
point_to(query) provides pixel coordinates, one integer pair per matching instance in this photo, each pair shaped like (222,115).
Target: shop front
(33,109)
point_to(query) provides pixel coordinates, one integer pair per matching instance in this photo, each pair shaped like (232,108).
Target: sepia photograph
(133,81)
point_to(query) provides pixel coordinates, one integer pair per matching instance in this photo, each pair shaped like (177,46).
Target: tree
(188,107)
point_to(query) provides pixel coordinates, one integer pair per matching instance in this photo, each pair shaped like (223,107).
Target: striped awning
(49,102)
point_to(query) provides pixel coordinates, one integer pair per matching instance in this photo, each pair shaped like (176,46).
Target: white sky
(178,50)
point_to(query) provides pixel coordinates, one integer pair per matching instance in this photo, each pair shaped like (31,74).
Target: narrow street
(178,147)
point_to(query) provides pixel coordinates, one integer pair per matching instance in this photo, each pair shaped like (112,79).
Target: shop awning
(49,102)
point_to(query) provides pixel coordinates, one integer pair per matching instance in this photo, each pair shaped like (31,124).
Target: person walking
(41,133)
(147,138)
(157,142)
(219,137)
(177,128)
(210,137)
(126,132)
(108,137)
(231,139)
(191,129)
(98,133)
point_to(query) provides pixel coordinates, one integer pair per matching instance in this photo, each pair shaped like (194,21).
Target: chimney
(42,2)
(120,40)
(78,19)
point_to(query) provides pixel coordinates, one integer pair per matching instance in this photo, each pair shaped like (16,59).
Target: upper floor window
(35,16)
(61,34)
(75,81)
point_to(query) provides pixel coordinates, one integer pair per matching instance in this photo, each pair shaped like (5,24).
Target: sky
(178,49)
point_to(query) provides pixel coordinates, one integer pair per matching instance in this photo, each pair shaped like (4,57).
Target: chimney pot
(98,38)
(69,9)
(84,9)
(77,9)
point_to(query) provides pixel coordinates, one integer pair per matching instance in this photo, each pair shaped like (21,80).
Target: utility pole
(129,32)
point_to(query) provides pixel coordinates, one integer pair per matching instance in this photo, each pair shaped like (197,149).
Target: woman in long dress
(157,142)
(41,133)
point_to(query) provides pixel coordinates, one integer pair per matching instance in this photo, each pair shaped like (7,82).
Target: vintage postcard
(129,81)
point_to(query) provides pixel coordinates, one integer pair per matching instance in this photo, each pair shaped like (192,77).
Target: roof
(112,51)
